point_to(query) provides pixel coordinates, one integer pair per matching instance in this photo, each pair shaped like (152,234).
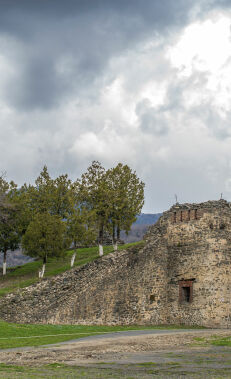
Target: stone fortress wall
(181,275)
(199,264)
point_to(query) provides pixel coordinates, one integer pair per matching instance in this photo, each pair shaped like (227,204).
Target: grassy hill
(18,335)
(27,274)
(138,229)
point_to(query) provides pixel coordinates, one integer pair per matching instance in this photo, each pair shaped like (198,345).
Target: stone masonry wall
(115,289)
(199,255)
(180,276)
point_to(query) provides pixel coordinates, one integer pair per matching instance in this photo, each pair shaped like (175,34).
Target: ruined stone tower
(198,267)
(181,275)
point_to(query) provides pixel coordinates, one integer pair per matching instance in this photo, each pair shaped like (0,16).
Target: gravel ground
(163,355)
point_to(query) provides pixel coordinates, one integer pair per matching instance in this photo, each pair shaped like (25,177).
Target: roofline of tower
(218,204)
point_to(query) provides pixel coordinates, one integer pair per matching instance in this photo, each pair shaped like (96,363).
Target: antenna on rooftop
(176,198)
(221,195)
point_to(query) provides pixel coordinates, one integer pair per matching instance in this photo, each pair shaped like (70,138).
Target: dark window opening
(196,215)
(152,298)
(222,226)
(185,291)
(181,216)
(186,294)
(189,214)
(174,216)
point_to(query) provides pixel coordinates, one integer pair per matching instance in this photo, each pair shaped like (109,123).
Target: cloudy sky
(142,82)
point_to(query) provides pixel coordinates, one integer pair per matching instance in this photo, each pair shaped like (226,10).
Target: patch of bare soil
(142,348)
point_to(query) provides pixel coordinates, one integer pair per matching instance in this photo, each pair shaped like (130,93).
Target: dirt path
(122,349)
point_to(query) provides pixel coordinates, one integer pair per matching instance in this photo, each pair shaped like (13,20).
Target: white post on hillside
(100,250)
(115,246)
(42,271)
(73,259)
(4,268)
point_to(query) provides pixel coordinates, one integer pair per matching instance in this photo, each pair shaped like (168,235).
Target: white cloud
(205,46)
(200,46)
(161,105)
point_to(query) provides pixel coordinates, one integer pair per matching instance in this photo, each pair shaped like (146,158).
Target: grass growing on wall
(27,274)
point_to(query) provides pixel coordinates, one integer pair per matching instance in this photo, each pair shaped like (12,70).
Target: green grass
(18,335)
(225,341)
(144,364)
(27,274)
(214,340)
(59,370)
(131,371)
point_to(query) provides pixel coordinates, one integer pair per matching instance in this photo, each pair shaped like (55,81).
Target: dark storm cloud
(161,12)
(64,46)
(72,73)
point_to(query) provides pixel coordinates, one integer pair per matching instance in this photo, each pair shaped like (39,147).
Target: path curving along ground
(133,354)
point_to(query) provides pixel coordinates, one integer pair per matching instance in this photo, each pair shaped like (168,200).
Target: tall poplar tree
(94,194)
(9,219)
(127,199)
(54,196)
(80,229)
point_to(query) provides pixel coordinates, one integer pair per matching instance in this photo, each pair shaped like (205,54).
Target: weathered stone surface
(182,275)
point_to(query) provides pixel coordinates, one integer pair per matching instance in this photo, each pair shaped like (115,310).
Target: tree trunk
(114,241)
(4,263)
(101,241)
(118,233)
(73,259)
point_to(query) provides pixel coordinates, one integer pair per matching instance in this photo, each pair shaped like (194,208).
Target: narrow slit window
(174,217)
(186,294)
(196,215)
(189,214)
(181,216)
(185,291)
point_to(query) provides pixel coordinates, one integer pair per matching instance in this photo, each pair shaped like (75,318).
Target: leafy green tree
(63,198)
(54,196)
(4,205)
(9,219)
(80,229)
(40,195)
(21,199)
(127,199)
(45,237)
(115,197)
(95,196)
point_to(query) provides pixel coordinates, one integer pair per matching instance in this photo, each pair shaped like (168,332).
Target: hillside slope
(27,274)
(138,229)
(79,295)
